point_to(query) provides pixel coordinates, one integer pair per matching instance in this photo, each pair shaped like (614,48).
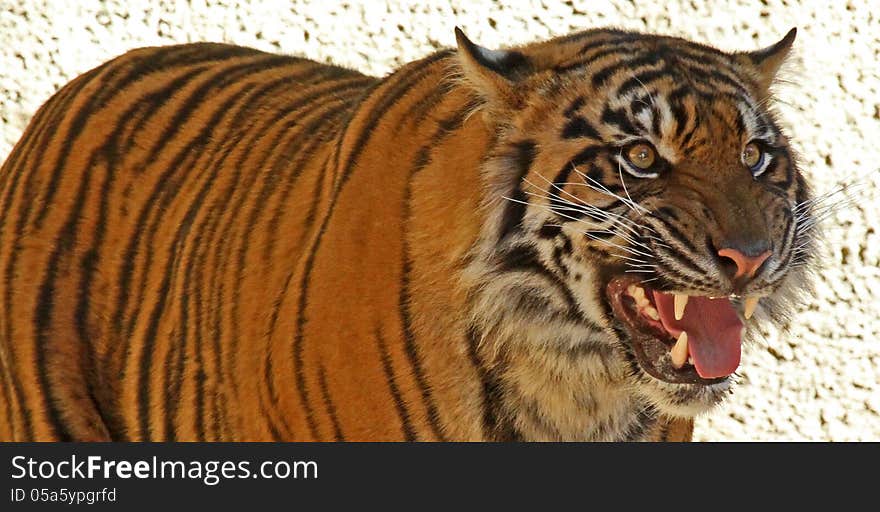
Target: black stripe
(676,104)
(199,398)
(497,424)
(70,92)
(787,243)
(89,265)
(340,91)
(43,311)
(681,257)
(405,423)
(406,78)
(739,123)
(282,204)
(445,128)
(290,161)
(618,47)
(557,259)
(642,80)
(774,164)
(686,140)
(99,100)
(618,118)
(110,152)
(222,205)
(44,308)
(524,258)
(191,263)
(710,79)
(639,104)
(614,38)
(579,127)
(226,75)
(65,241)
(664,431)
(575,107)
(549,231)
(785,264)
(10,417)
(295,156)
(586,155)
(419,110)
(276,305)
(522,157)
(729,80)
(173,369)
(218,414)
(655,126)
(128,262)
(410,75)
(644,422)
(679,93)
(165,188)
(205,134)
(328,404)
(281,157)
(602,75)
(668,212)
(42,125)
(33,138)
(609,50)
(344,126)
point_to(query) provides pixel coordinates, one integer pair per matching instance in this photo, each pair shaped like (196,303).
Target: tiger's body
(208,242)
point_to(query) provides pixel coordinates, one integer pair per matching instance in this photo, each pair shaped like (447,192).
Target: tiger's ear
(767,61)
(492,73)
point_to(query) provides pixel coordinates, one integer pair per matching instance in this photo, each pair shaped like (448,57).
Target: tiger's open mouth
(678,339)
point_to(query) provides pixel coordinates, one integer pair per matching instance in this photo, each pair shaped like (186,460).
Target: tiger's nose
(746,265)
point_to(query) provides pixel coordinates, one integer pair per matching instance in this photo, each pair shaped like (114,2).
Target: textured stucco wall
(820,383)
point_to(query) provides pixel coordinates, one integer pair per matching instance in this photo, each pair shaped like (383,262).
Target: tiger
(564,240)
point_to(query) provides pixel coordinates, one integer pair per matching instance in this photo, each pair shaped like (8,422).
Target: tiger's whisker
(601,188)
(627,249)
(559,187)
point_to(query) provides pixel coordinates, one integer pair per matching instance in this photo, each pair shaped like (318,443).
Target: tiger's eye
(641,155)
(751,155)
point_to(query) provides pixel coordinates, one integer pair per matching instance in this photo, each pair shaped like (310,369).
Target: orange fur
(205,242)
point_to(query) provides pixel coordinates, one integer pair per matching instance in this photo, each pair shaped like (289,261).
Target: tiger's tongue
(714,332)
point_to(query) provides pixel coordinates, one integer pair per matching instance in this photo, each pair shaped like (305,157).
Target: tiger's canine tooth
(680,302)
(749,306)
(679,352)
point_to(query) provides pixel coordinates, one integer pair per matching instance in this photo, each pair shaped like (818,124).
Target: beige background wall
(820,383)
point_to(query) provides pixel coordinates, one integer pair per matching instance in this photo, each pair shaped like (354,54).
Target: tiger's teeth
(679,352)
(651,312)
(638,293)
(680,302)
(749,307)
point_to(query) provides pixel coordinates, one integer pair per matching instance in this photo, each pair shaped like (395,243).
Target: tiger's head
(640,185)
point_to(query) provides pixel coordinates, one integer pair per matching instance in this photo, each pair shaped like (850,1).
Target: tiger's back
(144,202)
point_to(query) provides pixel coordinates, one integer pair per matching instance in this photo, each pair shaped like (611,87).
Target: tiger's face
(660,189)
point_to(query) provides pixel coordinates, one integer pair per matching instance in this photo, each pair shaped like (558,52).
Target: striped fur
(207,242)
